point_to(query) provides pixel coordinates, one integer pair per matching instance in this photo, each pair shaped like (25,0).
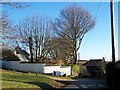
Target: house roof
(81,61)
(18,48)
(22,51)
(26,53)
(94,62)
(93,68)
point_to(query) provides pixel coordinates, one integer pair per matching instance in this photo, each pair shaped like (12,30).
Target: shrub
(75,69)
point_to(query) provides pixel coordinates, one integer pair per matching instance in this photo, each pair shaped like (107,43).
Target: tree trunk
(31,53)
(36,54)
(31,48)
(75,56)
(75,50)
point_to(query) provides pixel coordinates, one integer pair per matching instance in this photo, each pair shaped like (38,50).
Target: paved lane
(86,83)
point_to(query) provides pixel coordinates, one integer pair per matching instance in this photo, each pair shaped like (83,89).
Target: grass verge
(12,79)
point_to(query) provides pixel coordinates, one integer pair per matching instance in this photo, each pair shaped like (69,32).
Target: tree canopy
(73,23)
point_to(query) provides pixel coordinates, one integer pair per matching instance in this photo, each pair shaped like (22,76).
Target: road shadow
(42,85)
(85,84)
(75,77)
(66,83)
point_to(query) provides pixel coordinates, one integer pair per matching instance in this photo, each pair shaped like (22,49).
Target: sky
(97,43)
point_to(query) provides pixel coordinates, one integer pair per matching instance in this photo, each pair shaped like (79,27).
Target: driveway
(85,83)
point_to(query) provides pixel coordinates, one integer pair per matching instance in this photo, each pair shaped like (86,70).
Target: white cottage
(21,54)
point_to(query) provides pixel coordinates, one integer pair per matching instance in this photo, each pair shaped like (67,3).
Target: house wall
(84,71)
(21,57)
(34,67)
(118,65)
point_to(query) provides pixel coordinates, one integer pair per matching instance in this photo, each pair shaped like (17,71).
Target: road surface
(85,83)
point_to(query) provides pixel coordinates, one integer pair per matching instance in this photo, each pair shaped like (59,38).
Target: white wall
(66,70)
(34,67)
(31,67)
(50,69)
(13,65)
(26,67)
(0,64)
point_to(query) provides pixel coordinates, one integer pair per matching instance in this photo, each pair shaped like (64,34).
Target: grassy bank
(12,79)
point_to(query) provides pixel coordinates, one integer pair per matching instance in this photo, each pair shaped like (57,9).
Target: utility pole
(112,29)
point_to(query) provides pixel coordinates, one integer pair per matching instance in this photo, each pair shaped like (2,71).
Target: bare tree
(73,23)
(26,35)
(15,4)
(33,33)
(8,32)
(45,39)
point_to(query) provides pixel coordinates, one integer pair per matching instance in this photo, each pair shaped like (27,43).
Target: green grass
(14,84)
(12,79)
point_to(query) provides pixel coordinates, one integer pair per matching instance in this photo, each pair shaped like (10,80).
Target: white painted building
(21,54)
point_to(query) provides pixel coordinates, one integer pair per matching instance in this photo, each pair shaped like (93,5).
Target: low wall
(25,67)
(0,64)
(66,70)
(31,67)
(34,67)
(50,69)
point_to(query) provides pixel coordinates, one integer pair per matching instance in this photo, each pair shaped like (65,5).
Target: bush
(9,55)
(75,69)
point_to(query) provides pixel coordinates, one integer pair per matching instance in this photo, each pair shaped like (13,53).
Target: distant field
(12,79)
